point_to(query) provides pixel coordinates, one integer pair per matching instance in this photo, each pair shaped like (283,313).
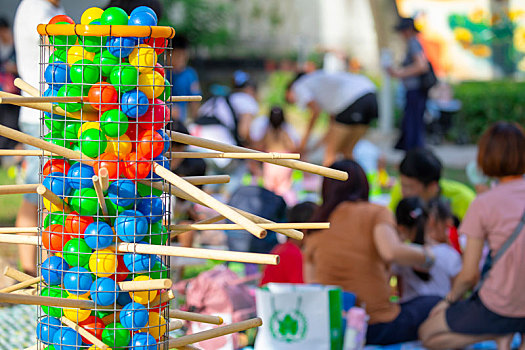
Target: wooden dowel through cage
(100,196)
(26,87)
(16,275)
(163,298)
(83,332)
(53,198)
(293,225)
(12,298)
(18,189)
(21,285)
(32,229)
(231,155)
(192,316)
(33,99)
(133,286)
(24,152)
(185,99)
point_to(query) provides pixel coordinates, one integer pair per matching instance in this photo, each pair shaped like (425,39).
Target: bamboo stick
(174,325)
(192,316)
(185,347)
(215,332)
(271,155)
(40,99)
(218,206)
(20,239)
(293,225)
(21,285)
(35,347)
(103,176)
(18,189)
(48,301)
(205,221)
(100,196)
(194,180)
(222,147)
(53,198)
(16,275)
(24,152)
(133,286)
(33,291)
(83,332)
(26,87)
(162,298)
(185,99)
(18,229)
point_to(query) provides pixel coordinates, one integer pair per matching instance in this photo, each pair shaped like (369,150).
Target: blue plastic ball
(152,207)
(67,339)
(57,183)
(134,103)
(138,262)
(144,9)
(167,140)
(134,316)
(142,18)
(78,280)
(143,341)
(104,291)
(46,329)
(98,235)
(122,192)
(161,160)
(53,270)
(121,47)
(50,92)
(124,298)
(57,74)
(131,226)
(80,176)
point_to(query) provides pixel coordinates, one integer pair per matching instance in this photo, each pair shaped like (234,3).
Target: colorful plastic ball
(136,167)
(86,126)
(61,18)
(146,9)
(76,225)
(77,252)
(131,226)
(123,298)
(59,165)
(134,316)
(91,14)
(77,53)
(162,161)
(156,325)
(98,235)
(106,61)
(152,208)
(70,91)
(158,44)
(77,315)
(124,77)
(142,18)
(160,69)
(54,218)
(53,269)
(114,16)
(84,201)
(134,103)
(151,83)
(46,329)
(121,47)
(144,190)
(57,183)
(166,94)
(67,339)
(84,72)
(114,122)
(143,341)
(104,291)
(55,138)
(150,145)
(102,96)
(80,176)
(92,43)
(78,280)
(143,297)
(122,192)
(103,263)
(54,292)
(93,142)
(115,335)
(143,57)
(54,238)
(57,74)
(167,140)
(137,262)
(120,147)
(93,325)
(58,55)
(158,271)
(61,42)
(158,234)
(71,130)
(110,162)
(156,117)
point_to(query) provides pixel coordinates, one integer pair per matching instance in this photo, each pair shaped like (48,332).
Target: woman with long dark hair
(356,251)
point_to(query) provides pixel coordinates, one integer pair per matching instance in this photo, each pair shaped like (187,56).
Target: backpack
(428,79)
(211,119)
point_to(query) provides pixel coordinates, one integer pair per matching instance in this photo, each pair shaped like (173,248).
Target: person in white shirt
(349,99)
(28,15)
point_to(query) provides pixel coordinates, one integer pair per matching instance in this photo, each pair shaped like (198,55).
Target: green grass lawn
(9,204)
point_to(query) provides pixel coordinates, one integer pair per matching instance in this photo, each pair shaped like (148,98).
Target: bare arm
(469,274)
(193,109)
(308,272)
(245,122)
(316,111)
(392,250)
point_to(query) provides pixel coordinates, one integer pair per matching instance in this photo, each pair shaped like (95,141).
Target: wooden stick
(210,201)
(83,332)
(162,298)
(24,152)
(194,180)
(222,147)
(49,301)
(35,347)
(103,176)
(26,87)
(271,155)
(185,347)
(293,225)
(53,198)
(18,229)
(18,189)
(100,196)
(33,291)
(192,316)
(16,275)
(21,285)
(211,220)
(174,325)
(215,332)
(40,99)
(133,286)
(20,239)
(185,99)
(198,253)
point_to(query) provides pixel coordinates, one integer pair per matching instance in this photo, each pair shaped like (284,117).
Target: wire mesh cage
(113,110)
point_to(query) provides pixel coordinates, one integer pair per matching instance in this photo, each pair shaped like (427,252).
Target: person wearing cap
(414,66)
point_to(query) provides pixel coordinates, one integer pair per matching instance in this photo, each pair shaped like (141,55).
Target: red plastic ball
(157,116)
(159,68)
(132,131)
(103,96)
(150,145)
(159,44)
(61,18)
(54,238)
(159,309)
(93,325)
(122,270)
(55,165)
(136,167)
(110,162)
(76,224)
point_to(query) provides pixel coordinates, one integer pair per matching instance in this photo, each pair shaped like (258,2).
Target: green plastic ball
(54,218)
(167,91)
(159,270)
(70,90)
(102,314)
(58,55)
(55,138)
(61,42)
(114,123)
(144,190)
(158,234)
(106,62)
(93,142)
(71,130)
(124,77)
(76,252)
(84,72)
(55,122)
(116,336)
(84,202)
(114,16)
(114,210)
(50,347)
(53,292)
(93,43)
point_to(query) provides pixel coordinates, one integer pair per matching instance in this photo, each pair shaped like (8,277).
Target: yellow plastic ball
(77,315)
(50,207)
(143,57)
(143,297)
(86,126)
(77,53)
(103,263)
(156,325)
(119,146)
(151,83)
(94,347)
(90,15)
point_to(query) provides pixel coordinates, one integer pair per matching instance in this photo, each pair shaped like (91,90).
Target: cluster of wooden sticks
(179,186)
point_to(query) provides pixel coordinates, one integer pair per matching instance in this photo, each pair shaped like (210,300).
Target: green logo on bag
(288,327)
